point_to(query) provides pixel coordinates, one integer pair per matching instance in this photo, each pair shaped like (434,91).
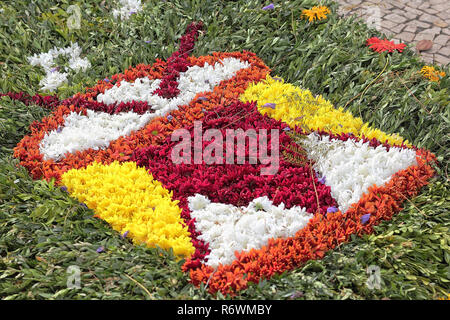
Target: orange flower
(315,13)
(432,74)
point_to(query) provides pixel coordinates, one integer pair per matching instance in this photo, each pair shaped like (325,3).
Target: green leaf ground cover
(43,231)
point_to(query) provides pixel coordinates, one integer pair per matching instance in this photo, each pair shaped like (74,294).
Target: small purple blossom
(59,129)
(125,234)
(169,117)
(203,98)
(287,129)
(269,7)
(84,205)
(132,12)
(365,218)
(332,209)
(322,180)
(269,105)
(64,188)
(54,69)
(100,249)
(148,41)
(106,80)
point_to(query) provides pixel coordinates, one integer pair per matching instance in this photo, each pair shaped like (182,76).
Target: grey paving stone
(409,21)
(424,36)
(406,36)
(441,59)
(428,57)
(427,17)
(445,51)
(410,28)
(442,39)
(395,18)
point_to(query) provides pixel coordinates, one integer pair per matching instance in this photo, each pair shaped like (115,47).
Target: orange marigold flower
(432,74)
(315,13)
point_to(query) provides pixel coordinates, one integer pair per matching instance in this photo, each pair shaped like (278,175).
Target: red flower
(379,45)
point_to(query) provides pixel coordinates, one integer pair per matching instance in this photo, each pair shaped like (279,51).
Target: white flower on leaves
(350,167)
(98,129)
(53,78)
(228,228)
(127,8)
(195,80)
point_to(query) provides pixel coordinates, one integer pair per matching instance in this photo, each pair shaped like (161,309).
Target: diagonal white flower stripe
(97,129)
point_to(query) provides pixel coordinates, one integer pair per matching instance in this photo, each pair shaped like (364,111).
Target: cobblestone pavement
(408,21)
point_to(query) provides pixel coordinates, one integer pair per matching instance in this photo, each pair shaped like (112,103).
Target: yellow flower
(129,199)
(432,74)
(317,12)
(298,107)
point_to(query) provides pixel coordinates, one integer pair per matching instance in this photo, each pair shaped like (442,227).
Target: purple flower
(54,69)
(269,7)
(64,188)
(169,117)
(203,98)
(332,209)
(124,235)
(365,218)
(287,129)
(106,80)
(59,129)
(277,79)
(132,12)
(100,249)
(148,41)
(269,105)
(322,180)
(83,205)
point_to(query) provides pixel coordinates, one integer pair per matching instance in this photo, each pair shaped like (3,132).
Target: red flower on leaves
(379,45)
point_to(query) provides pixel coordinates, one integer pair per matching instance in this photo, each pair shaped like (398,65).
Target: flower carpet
(230,224)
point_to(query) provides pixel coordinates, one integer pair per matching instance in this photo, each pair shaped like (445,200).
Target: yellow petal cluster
(129,199)
(298,107)
(315,13)
(432,74)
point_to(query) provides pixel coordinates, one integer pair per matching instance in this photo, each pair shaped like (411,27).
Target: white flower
(228,228)
(53,80)
(350,167)
(46,60)
(98,129)
(198,202)
(128,7)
